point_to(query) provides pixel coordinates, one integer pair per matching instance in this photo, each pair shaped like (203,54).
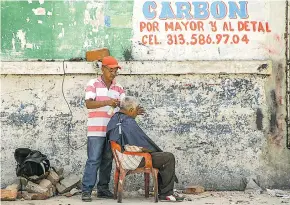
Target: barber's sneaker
(86,196)
(105,194)
(169,198)
(179,197)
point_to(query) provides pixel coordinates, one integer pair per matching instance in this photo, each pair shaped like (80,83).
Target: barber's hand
(140,110)
(113,102)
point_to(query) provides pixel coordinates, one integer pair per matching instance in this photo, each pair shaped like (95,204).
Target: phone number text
(201,39)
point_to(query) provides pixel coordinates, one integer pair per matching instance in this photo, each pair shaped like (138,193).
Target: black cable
(287,56)
(71,114)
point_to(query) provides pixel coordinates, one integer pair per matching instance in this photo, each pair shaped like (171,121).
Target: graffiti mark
(262,67)
(127,54)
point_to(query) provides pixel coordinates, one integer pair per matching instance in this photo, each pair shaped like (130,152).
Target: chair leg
(122,177)
(116,181)
(155,181)
(146,179)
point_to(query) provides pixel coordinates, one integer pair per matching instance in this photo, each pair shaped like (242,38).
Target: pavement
(206,198)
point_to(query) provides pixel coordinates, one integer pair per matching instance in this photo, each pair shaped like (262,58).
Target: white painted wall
(260,46)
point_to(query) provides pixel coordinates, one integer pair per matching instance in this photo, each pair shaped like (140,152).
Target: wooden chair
(120,173)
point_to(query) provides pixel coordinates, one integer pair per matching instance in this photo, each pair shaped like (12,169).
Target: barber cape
(132,134)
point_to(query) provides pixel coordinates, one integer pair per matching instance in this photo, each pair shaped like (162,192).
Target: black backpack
(30,163)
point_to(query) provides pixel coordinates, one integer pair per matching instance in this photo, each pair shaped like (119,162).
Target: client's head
(129,106)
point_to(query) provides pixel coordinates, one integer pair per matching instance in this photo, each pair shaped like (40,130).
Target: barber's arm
(92,104)
(91,95)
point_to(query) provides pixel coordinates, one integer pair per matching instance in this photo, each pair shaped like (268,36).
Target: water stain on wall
(259,119)
(273,116)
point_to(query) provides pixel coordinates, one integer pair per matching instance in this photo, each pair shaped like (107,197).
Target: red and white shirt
(99,118)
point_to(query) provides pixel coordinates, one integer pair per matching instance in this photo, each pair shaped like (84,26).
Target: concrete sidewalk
(207,198)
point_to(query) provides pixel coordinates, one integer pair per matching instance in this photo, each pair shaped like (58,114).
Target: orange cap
(110,62)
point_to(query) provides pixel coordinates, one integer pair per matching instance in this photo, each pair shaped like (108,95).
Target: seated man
(133,135)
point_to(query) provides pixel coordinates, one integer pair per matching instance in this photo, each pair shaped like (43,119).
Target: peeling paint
(41,1)
(107,21)
(39,21)
(27,19)
(29,45)
(87,17)
(13,43)
(94,15)
(29,1)
(49,13)
(77,102)
(39,11)
(61,35)
(21,36)
(72,10)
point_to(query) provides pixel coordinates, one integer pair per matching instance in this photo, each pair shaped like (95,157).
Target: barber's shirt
(98,118)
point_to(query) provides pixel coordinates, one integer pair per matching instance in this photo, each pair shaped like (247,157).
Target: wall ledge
(140,67)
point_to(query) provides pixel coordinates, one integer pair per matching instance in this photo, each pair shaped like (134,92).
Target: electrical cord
(71,114)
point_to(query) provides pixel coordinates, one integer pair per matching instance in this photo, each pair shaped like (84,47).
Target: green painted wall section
(66,32)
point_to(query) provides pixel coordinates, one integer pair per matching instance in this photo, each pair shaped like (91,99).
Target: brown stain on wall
(277,118)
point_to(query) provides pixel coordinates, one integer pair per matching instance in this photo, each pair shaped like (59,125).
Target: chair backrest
(115,147)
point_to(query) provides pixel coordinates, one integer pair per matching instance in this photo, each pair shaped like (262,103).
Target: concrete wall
(220,127)
(223,120)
